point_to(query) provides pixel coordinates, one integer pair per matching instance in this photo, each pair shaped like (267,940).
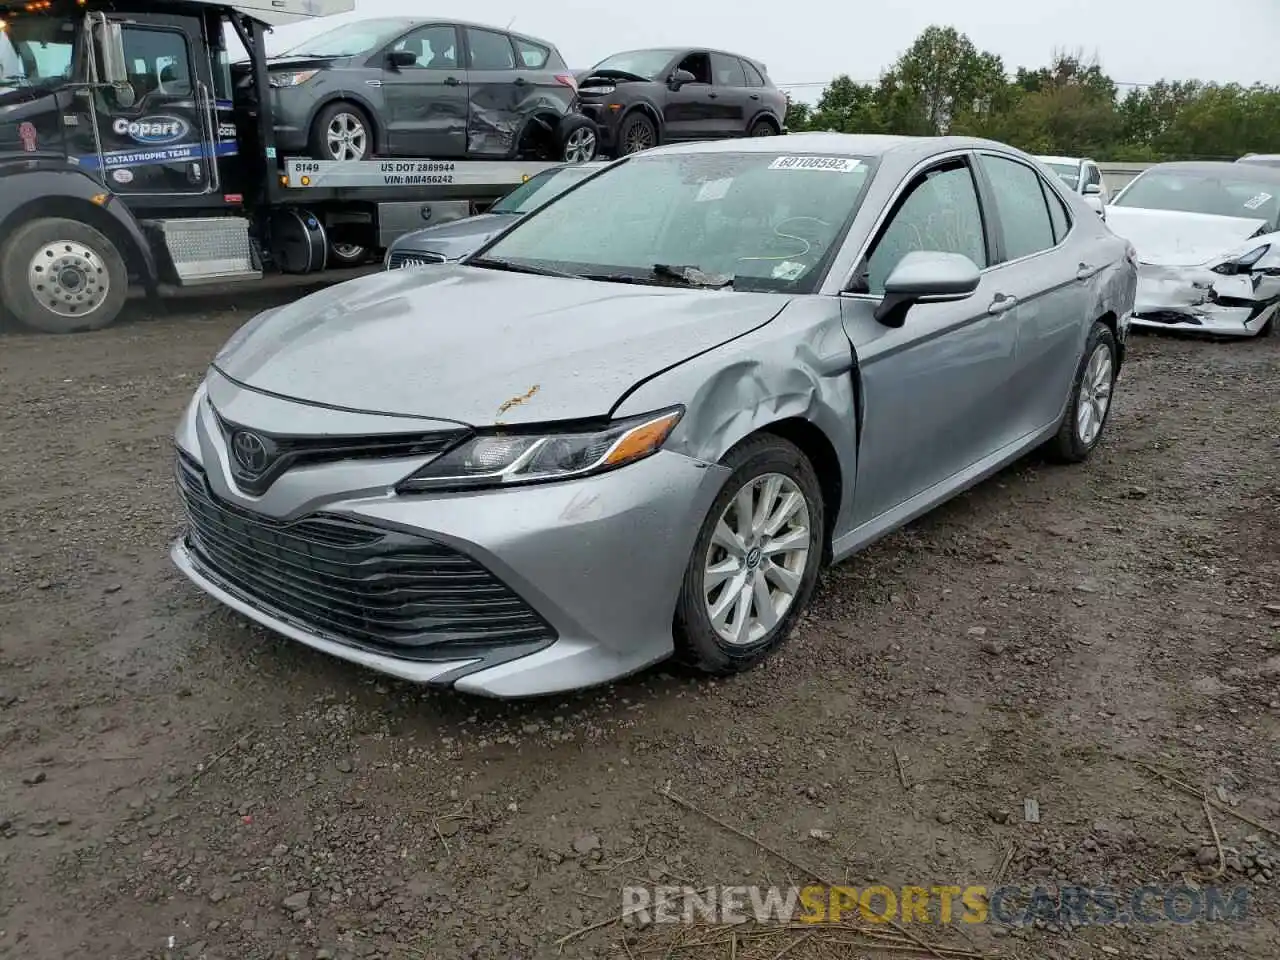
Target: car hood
(1174,238)
(480,346)
(456,238)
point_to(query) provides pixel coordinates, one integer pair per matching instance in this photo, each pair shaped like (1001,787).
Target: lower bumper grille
(366,586)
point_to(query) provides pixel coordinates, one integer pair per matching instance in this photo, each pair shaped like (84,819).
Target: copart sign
(152,131)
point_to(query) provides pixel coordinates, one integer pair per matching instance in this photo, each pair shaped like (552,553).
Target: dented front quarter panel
(797,367)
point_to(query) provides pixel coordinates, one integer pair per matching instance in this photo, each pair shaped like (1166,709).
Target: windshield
(35,51)
(757,221)
(538,190)
(643,63)
(1216,193)
(351,40)
(1068,173)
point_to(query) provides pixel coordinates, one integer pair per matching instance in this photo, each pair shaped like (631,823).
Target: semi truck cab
(127,155)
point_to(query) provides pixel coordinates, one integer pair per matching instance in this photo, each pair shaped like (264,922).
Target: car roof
(450,22)
(1074,161)
(669,48)
(906,149)
(1226,168)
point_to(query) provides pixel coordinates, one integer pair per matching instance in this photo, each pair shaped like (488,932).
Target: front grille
(356,583)
(399,259)
(282,453)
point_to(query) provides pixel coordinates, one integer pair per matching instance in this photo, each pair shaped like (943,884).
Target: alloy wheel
(638,138)
(346,137)
(580,146)
(68,278)
(756,560)
(1095,395)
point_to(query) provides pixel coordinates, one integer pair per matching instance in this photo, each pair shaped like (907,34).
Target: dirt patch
(177,783)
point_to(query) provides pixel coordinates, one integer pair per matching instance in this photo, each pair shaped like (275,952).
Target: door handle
(755,96)
(1084,271)
(713,95)
(451,81)
(520,81)
(1001,303)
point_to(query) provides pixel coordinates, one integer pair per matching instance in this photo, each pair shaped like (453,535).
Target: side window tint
(1058,214)
(753,75)
(490,51)
(435,47)
(1020,205)
(533,56)
(727,71)
(940,214)
(1094,175)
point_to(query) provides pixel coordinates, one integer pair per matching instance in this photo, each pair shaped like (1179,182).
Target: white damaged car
(1208,242)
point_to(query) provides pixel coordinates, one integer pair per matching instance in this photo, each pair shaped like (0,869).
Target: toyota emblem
(250,451)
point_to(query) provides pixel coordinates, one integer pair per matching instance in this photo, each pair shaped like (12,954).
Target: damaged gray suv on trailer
(640,420)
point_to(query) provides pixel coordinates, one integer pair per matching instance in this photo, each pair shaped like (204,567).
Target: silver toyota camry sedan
(637,423)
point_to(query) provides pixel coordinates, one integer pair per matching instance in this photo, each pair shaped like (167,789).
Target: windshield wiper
(513,267)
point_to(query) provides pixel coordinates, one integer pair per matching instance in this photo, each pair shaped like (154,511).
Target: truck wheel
(347,254)
(577,139)
(341,131)
(62,276)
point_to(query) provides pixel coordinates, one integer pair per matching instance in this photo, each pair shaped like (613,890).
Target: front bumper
(598,560)
(606,122)
(1197,300)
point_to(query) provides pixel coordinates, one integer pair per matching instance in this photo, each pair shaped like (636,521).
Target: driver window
(435,47)
(699,64)
(940,213)
(157,62)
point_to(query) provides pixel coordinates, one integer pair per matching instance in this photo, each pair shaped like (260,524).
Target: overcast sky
(810,41)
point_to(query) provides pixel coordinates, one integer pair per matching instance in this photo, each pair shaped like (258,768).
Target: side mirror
(680,78)
(111,43)
(397,59)
(1092,190)
(926,276)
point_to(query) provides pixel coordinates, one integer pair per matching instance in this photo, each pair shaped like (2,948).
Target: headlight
(503,459)
(1243,264)
(294,79)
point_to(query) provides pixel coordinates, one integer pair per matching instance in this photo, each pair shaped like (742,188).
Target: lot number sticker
(1253,203)
(834,164)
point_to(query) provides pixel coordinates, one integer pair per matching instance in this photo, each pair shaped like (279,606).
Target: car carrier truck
(129,154)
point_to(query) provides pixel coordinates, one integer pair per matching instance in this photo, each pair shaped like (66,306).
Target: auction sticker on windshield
(1253,203)
(834,164)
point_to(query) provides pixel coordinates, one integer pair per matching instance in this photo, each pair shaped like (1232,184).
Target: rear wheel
(763,128)
(62,276)
(347,254)
(1090,405)
(577,139)
(341,131)
(637,133)
(756,559)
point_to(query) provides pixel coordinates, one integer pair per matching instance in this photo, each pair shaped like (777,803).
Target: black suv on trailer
(642,98)
(427,88)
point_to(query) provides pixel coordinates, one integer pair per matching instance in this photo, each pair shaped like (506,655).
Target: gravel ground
(177,783)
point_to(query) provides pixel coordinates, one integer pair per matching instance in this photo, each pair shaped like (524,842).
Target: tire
(341,128)
(87,290)
(763,128)
(1072,443)
(636,133)
(347,254)
(763,461)
(577,140)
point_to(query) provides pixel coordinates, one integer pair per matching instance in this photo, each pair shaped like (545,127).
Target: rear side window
(533,56)
(1058,215)
(1020,206)
(1092,175)
(727,71)
(489,50)
(752,74)
(940,214)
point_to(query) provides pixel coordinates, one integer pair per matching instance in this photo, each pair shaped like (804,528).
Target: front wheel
(341,132)
(755,561)
(637,133)
(62,276)
(1090,403)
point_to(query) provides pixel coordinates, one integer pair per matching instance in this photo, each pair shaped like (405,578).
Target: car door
(494,119)
(933,390)
(729,96)
(756,89)
(686,112)
(426,100)
(1051,284)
